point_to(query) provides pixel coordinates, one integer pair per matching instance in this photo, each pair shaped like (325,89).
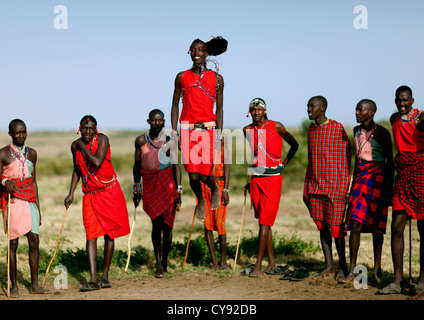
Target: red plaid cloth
(367,203)
(409,183)
(159,193)
(25,192)
(327,173)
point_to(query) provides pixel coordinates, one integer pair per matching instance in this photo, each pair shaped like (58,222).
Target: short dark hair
(151,113)
(371,103)
(14,122)
(322,99)
(403,88)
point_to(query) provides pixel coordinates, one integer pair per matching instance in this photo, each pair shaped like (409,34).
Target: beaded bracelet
(226,190)
(180,190)
(137,188)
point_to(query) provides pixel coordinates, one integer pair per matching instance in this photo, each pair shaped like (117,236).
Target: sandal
(299,274)
(248,270)
(90,286)
(278,270)
(390,289)
(105,283)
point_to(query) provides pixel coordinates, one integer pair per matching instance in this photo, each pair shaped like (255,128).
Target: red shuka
(104,203)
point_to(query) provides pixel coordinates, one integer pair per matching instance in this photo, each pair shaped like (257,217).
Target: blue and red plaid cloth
(159,193)
(327,173)
(367,202)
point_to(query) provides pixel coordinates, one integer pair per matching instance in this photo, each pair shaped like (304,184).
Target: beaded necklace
(87,163)
(361,146)
(259,144)
(405,121)
(17,155)
(150,140)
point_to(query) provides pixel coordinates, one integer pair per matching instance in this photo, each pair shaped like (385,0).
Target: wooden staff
(55,249)
(189,237)
(241,226)
(129,240)
(345,218)
(8,246)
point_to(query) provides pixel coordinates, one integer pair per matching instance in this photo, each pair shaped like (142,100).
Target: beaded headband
(256,102)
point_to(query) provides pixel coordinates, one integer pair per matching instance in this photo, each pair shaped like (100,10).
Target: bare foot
(255,273)
(340,275)
(38,290)
(215,199)
(325,273)
(159,272)
(224,266)
(349,278)
(14,292)
(200,209)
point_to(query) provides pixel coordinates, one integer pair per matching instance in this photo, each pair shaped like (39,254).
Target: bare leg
(326,244)
(354,243)
(157,245)
(196,186)
(209,241)
(223,244)
(91,247)
(378,239)
(398,244)
(166,247)
(108,254)
(34,254)
(14,292)
(341,251)
(263,240)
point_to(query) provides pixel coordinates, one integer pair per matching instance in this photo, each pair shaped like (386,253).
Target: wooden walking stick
(241,226)
(55,249)
(129,240)
(189,237)
(8,246)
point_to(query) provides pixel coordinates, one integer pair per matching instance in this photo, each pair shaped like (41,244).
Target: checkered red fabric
(366,201)
(409,183)
(159,193)
(25,192)
(327,173)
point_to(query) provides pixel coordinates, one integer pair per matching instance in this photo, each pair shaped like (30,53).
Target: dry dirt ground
(203,284)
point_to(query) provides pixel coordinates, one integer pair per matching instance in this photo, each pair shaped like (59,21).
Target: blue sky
(118,59)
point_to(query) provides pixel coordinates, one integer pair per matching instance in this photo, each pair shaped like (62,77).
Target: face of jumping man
(404,102)
(363,113)
(18,134)
(88,131)
(157,122)
(315,109)
(198,52)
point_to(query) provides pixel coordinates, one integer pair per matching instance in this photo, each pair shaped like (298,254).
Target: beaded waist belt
(199,125)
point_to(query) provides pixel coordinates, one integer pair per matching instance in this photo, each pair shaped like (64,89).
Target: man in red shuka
(201,89)
(104,207)
(265,138)
(408,192)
